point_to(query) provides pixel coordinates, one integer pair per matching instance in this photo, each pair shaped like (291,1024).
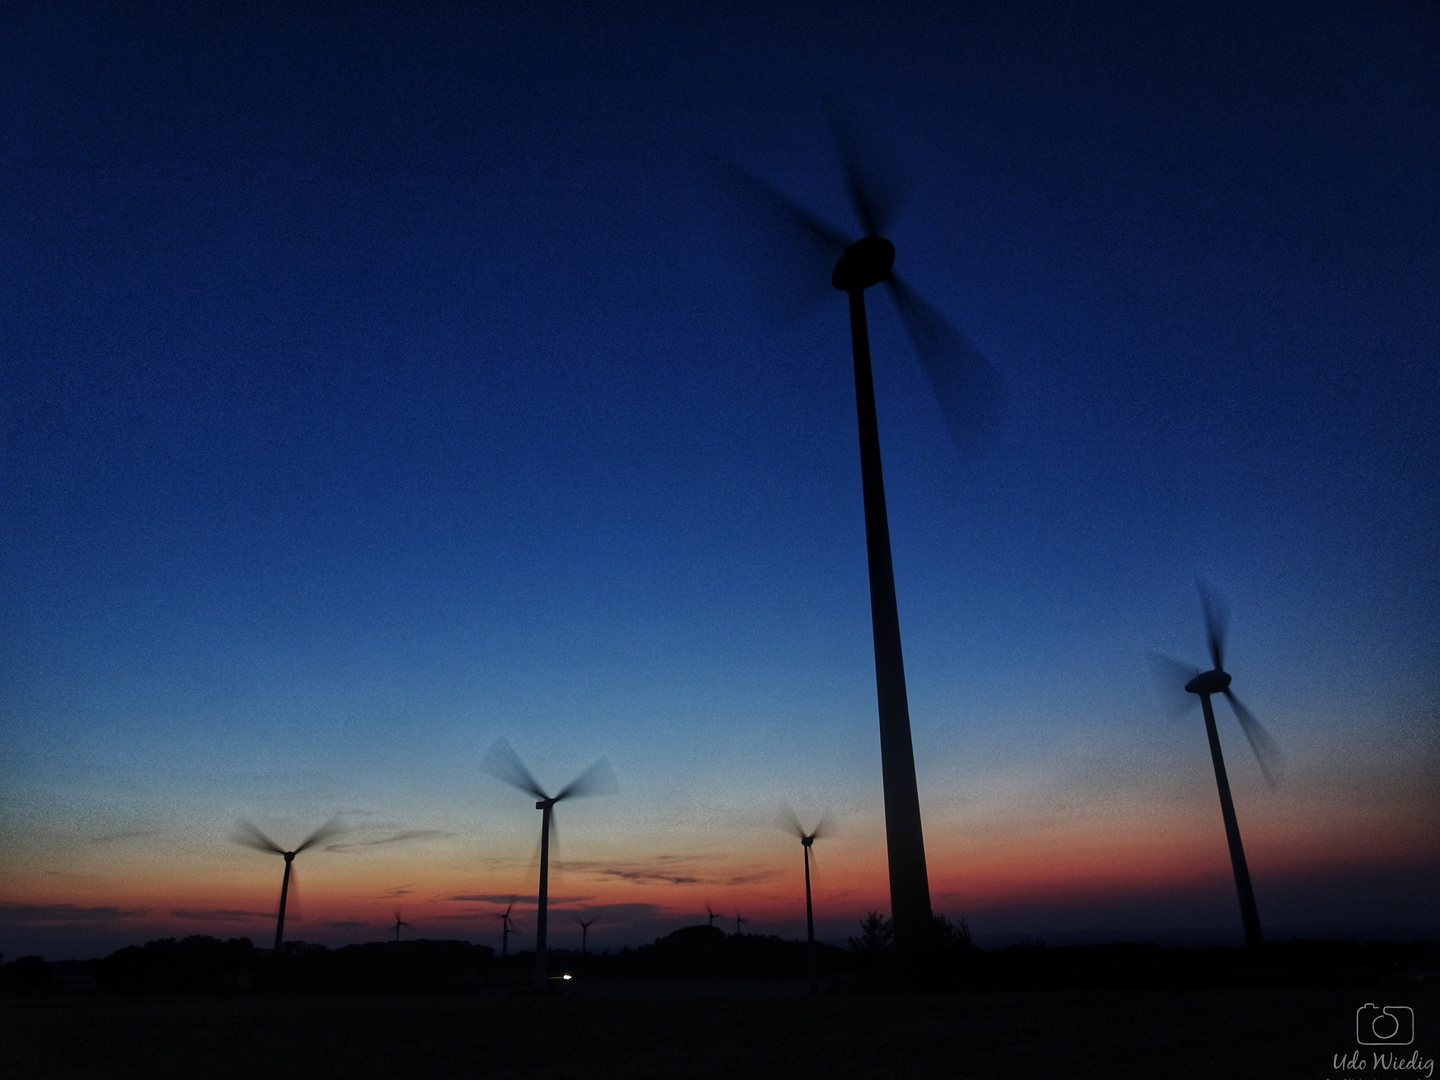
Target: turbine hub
(866,262)
(289,856)
(1209,682)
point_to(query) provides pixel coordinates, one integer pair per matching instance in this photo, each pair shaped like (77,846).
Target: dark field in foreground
(1261,1032)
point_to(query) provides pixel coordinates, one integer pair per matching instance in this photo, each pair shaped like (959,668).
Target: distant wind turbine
(585,925)
(1178,676)
(505,921)
(791,824)
(504,764)
(739,922)
(246,833)
(398,925)
(711,914)
(968,390)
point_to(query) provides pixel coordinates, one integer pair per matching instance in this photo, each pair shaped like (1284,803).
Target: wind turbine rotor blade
(246,833)
(826,826)
(966,386)
(1170,677)
(1217,617)
(332,828)
(1267,751)
(501,762)
(786,819)
(598,779)
(874,194)
(801,246)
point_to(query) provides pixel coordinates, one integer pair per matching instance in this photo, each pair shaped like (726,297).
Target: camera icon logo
(1388,1025)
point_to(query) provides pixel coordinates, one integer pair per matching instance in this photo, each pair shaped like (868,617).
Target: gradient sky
(376,385)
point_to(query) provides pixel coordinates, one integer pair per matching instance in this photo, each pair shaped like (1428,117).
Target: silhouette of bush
(24,976)
(708,952)
(193,965)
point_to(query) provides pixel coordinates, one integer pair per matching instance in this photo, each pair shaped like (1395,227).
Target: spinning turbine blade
(332,828)
(598,779)
(1170,677)
(501,762)
(246,833)
(1267,751)
(804,244)
(787,820)
(965,385)
(1216,618)
(825,827)
(875,197)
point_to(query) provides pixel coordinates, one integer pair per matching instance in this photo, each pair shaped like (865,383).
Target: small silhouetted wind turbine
(711,915)
(585,925)
(968,391)
(739,922)
(505,921)
(790,823)
(246,833)
(1217,681)
(504,764)
(398,925)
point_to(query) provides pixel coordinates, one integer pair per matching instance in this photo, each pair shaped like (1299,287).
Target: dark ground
(626,1030)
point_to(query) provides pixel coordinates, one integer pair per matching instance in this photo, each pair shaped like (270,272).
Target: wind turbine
(967,389)
(585,925)
(739,922)
(711,914)
(504,764)
(790,823)
(505,922)
(1217,681)
(246,833)
(398,925)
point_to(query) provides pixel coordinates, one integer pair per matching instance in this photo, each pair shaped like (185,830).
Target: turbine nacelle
(1209,682)
(866,262)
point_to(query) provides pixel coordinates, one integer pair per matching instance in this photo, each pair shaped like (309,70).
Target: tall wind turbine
(967,389)
(398,924)
(1217,681)
(504,764)
(246,833)
(790,823)
(711,915)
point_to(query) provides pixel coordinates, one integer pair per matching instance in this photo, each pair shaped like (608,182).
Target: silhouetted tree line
(708,952)
(952,962)
(206,965)
(24,976)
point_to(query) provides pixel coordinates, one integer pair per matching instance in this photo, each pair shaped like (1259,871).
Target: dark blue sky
(378,382)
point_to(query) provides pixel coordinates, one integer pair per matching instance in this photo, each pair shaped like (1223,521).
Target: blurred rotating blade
(876,193)
(246,833)
(825,827)
(331,829)
(1217,617)
(1170,677)
(797,251)
(501,762)
(598,779)
(1267,750)
(785,819)
(966,386)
